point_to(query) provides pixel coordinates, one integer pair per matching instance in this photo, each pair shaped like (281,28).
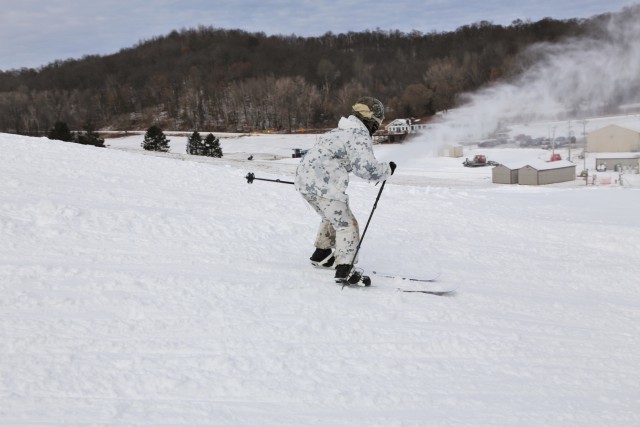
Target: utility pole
(584,150)
(569,137)
(584,138)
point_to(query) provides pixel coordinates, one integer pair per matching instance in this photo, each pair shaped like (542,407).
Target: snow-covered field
(165,290)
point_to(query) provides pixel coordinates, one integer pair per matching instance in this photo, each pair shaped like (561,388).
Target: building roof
(407,122)
(542,165)
(603,128)
(617,155)
(538,164)
(513,165)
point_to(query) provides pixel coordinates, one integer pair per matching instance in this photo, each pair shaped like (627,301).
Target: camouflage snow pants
(338,229)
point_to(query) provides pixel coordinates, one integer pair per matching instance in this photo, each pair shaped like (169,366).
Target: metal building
(506,173)
(617,161)
(450,151)
(613,138)
(542,173)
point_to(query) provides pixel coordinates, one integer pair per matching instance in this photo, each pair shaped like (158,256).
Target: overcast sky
(36,32)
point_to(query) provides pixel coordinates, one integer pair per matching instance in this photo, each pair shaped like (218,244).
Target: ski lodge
(406,126)
(399,129)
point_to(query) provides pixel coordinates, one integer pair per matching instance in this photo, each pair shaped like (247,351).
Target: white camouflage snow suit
(322,179)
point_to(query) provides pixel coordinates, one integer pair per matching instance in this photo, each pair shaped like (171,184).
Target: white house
(406,126)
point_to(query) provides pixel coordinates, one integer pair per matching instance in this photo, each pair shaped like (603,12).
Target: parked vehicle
(488,143)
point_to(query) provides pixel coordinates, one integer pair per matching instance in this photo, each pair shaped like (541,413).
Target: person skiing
(322,178)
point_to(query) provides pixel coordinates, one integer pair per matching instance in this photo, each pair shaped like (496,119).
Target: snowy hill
(165,290)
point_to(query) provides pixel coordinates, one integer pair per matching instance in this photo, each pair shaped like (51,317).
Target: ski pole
(375,205)
(251,177)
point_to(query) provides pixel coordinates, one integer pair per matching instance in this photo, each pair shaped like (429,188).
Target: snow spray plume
(571,79)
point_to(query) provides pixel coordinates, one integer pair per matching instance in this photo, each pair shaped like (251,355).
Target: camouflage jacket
(324,169)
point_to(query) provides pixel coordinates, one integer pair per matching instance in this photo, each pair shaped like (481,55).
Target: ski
(437,293)
(425,278)
(425,283)
(431,287)
(442,291)
(423,286)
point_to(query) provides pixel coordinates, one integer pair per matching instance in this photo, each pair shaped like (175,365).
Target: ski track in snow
(145,290)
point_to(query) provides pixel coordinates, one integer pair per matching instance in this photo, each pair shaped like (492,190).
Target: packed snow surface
(165,290)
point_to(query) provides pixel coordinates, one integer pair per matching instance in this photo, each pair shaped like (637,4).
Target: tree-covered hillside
(232,80)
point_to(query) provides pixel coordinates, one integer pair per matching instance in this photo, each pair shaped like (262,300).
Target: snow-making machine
(479,160)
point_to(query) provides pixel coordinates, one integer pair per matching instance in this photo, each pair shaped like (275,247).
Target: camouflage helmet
(369,109)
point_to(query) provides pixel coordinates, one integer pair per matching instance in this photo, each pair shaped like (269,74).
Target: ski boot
(323,258)
(348,276)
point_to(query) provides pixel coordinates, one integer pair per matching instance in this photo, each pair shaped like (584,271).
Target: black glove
(392,165)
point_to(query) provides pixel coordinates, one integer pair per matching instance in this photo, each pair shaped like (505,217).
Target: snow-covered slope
(144,290)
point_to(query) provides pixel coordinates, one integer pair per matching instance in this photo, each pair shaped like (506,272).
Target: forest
(214,79)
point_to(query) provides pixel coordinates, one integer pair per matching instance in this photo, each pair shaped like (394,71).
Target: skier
(322,178)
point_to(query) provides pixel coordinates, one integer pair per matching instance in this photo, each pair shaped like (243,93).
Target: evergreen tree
(194,144)
(61,132)
(212,146)
(155,140)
